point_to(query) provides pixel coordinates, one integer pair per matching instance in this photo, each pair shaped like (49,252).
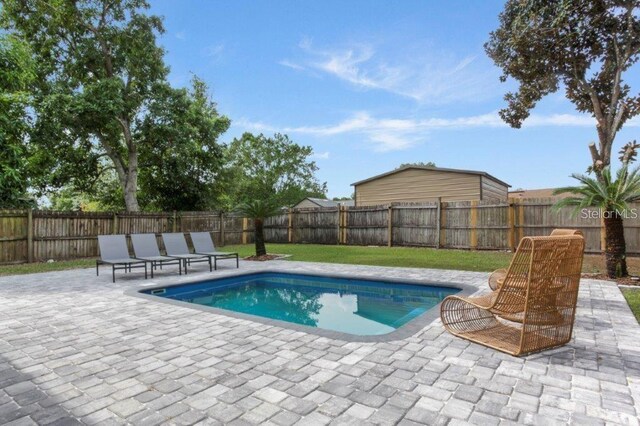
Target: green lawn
(633,299)
(33,268)
(385,256)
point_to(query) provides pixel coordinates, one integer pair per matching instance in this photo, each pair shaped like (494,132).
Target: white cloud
(181,35)
(392,134)
(292,65)
(422,74)
(321,155)
(214,51)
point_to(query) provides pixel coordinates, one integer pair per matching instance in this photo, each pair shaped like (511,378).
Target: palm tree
(612,197)
(258,210)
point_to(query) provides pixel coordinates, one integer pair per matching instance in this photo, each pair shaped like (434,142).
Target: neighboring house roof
(440,169)
(322,202)
(347,203)
(536,193)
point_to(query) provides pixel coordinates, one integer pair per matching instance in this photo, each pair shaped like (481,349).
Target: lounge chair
(114,252)
(203,244)
(176,247)
(497,277)
(145,247)
(533,309)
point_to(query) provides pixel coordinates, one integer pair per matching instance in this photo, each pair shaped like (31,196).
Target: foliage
(612,196)
(181,159)
(106,195)
(274,167)
(583,46)
(17,72)
(608,194)
(417,164)
(98,65)
(259,209)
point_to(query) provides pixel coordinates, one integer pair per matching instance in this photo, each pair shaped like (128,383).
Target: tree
(181,159)
(586,46)
(17,72)
(259,209)
(274,168)
(417,164)
(98,64)
(612,197)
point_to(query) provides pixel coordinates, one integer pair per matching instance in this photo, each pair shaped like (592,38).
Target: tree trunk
(261,250)
(615,250)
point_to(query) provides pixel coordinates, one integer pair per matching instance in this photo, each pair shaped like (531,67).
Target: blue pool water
(352,306)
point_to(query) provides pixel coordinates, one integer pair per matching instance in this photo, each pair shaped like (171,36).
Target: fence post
(222,229)
(438,213)
(511,223)
(345,228)
(174,222)
(290,225)
(442,224)
(30,235)
(114,224)
(520,220)
(245,225)
(390,226)
(603,235)
(339,224)
(473,238)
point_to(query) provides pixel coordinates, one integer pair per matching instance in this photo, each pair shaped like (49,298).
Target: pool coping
(407,330)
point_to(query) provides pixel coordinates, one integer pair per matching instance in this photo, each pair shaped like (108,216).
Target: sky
(372,84)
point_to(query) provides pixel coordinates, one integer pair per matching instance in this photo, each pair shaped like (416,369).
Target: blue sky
(372,84)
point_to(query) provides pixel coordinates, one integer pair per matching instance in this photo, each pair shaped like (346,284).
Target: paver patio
(75,349)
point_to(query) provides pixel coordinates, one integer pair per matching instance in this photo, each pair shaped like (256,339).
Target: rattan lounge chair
(114,252)
(534,308)
(203,244)
(145,247)
(497,277)
(176,246)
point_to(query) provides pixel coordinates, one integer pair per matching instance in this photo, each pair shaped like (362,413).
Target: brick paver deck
(75,349)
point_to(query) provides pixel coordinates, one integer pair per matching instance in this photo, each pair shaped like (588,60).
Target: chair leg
(145,270)
(180,268)
(215,263)
(186,269)
(113,273)
(237,261)
(97,269)
(210,267)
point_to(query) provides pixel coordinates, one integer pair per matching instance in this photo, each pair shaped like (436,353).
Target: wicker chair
(534,308)
(497,277)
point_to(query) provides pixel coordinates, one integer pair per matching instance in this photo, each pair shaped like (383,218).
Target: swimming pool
(337,304)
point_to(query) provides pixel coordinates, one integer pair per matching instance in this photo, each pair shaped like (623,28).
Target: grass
(33,268)
(385,256)
(633,299)
(483,261)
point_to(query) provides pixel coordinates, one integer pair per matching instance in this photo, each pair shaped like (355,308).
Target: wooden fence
(28,236)
(475,225)
(32,235)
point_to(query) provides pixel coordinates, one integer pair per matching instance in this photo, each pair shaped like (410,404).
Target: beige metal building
(415,184)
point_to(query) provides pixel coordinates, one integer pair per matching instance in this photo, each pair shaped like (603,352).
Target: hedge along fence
(33,235)
(27,236)
(476,225)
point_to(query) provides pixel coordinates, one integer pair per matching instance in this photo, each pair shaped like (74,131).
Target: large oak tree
(98,66)
(585,47)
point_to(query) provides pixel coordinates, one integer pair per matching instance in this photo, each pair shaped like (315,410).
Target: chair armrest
(497,278)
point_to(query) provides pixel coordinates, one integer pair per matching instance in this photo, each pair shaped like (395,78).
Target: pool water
(351,306)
